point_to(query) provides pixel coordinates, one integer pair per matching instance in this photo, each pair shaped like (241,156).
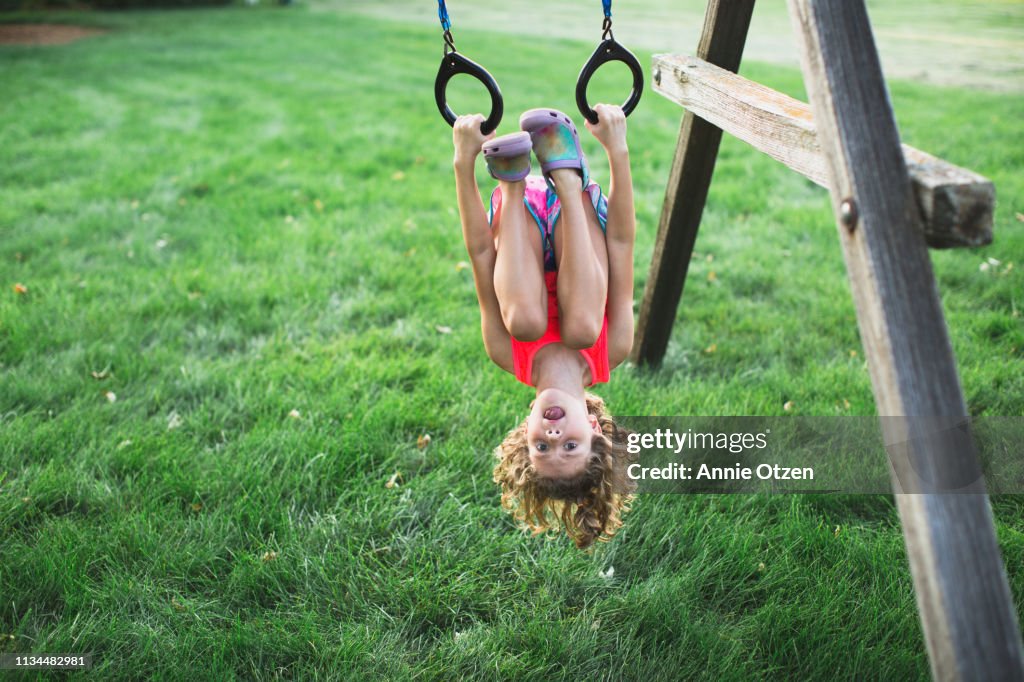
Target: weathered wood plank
(721,42)
(969,621)
(956,204)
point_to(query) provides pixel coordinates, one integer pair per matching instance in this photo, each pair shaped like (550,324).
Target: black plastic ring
(453,64)
(609,51)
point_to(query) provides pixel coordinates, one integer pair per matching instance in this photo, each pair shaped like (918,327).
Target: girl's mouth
(554,413)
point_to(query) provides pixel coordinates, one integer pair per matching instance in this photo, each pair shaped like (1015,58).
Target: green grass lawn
(246,303)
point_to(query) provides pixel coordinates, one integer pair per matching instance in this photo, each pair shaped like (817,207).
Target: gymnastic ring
(453,64)
(609,51)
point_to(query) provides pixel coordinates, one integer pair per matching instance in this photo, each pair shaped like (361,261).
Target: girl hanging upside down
(553,266)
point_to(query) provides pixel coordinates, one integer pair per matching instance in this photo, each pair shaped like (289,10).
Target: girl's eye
(541,446)
(570,446)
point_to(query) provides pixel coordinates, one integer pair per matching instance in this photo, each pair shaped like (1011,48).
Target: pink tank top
(523,352)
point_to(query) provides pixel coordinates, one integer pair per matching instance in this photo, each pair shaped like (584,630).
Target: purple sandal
(555,141)
(508,156)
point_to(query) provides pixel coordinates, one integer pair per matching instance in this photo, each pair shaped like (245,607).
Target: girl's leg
(519,266)
(582,263)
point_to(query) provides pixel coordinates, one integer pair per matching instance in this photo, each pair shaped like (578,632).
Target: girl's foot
(555,141)
(508,156)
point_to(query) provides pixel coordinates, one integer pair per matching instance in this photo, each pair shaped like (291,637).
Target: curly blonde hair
(588,506)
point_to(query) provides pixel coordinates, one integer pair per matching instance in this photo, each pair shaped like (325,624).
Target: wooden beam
(967,613)
(955,204)
(721,42)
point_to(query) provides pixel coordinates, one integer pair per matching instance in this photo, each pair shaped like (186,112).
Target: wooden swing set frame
(891,202)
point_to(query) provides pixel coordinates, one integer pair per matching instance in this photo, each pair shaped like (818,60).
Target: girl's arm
(620,230)
(476,233)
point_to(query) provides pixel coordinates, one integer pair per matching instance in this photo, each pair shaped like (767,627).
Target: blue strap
(607,8)
(446,24)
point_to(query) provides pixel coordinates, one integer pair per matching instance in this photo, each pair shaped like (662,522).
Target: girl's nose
(553,432)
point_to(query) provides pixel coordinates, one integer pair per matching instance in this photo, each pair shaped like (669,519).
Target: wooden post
(725,31)
(970,625)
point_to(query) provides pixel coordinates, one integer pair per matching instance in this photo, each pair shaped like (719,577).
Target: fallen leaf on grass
(20,288)
(110,396)
(295,414)
(443,329)
(423,441)
(394,480)
(609,573)
(197,506)
(123,444)
(178,606)
(398,175)
(711,349)
(837,531)
(102,374)
(173,421)
(461,265)
(990,263)
(269,556)
(761,568)
(788,405)
(712,277)
(318,205)
(1020,217)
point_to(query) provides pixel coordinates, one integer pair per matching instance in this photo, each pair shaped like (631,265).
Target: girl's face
(559,431)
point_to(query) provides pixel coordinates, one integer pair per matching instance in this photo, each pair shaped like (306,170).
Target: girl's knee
(525,322)
(580,331)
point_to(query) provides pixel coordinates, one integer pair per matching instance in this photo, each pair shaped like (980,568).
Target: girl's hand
(468,139)
(610,129)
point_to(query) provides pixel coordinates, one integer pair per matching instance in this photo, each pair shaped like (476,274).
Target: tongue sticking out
(554,413)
